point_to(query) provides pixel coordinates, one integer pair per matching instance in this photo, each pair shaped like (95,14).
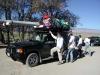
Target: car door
(48,43)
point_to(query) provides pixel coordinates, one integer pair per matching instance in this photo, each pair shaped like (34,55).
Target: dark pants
(80,50)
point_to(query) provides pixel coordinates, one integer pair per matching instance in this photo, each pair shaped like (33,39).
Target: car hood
(26,43)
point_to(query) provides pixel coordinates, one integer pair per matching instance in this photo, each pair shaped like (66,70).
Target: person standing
(46,21)
(58,47)
(71,48)
(87,45)
(79,46)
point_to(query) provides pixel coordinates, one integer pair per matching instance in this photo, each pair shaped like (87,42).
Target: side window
(48,38)
(41,37)
(38,38)
(44,37)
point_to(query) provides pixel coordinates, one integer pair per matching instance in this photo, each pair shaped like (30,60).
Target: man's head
(70,33)
(80,36)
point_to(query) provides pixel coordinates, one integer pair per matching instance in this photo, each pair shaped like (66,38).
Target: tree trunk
(1,37)
(8,17)
(23,33)
(8,13)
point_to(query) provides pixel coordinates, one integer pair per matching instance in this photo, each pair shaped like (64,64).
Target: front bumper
(12,51)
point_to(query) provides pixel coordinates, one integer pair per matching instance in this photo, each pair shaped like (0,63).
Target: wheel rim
(33,59)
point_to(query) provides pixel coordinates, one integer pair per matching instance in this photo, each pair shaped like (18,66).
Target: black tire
(32,60)
(92,44)
(7,52)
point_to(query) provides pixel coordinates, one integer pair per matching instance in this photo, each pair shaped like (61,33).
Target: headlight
(20,50)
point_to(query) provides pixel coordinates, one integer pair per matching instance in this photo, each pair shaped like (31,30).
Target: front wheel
(32,59)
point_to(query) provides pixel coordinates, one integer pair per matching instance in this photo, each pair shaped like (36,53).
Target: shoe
(60,63)
(72,61)
(92,53)
(66,61)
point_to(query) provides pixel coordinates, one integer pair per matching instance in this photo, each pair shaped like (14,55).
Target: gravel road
(84,66)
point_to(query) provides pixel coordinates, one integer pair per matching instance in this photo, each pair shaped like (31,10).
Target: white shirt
(59,41)
(72,42)
(80,41)
(87,41)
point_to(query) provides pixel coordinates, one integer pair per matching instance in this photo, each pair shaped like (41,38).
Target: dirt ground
(84,66)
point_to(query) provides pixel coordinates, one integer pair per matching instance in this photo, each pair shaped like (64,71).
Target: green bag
(56,22)
(64,24)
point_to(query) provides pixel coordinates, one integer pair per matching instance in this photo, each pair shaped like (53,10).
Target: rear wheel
(92,44)
(32,59)
(7,52)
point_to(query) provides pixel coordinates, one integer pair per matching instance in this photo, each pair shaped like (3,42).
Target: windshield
(39,37)
(42,37)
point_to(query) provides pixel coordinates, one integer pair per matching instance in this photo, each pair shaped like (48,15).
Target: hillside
(86,32)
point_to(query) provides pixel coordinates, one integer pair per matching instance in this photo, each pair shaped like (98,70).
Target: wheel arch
(34,51)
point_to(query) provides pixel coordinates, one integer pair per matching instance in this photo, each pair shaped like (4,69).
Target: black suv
(95,41)
(34,51)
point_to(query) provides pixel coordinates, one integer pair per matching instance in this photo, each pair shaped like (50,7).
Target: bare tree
(54,9)
(48,5)
(70,17)
(7,6)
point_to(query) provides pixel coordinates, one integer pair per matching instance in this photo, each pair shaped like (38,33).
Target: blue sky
(88,11)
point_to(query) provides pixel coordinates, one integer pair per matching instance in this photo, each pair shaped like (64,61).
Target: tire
(32,60)
(92,44)
(8,54)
